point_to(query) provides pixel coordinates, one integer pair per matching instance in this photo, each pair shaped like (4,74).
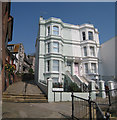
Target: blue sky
(26,18)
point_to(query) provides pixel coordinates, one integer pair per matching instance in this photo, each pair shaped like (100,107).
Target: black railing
(92,109)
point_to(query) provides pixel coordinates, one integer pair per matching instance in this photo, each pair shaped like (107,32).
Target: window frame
(56,30)
(93,68)
(56,47)
(92,51)
(85,50)
(48,30)
(83,35)
(90,35)
(48,65)
(86,69)
(56,79)
(55,66)
(48,47)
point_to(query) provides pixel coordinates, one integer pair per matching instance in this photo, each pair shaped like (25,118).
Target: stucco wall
(108,57)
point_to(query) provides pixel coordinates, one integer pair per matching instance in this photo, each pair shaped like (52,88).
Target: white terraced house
(66,49)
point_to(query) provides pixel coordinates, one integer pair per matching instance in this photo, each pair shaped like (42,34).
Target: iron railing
(94,109)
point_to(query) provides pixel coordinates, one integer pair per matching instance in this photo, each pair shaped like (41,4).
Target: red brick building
(7,28)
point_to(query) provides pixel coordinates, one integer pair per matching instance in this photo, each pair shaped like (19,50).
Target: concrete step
(30,98)
(23,95)
(24,100)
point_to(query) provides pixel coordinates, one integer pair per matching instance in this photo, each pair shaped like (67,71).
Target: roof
(16,47)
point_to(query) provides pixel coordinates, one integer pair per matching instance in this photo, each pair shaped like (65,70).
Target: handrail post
(90,113)
(109,98)
(72,105)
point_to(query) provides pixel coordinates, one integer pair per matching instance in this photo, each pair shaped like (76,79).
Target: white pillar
(102,89)
(50,87)
(92,89)
(111,87)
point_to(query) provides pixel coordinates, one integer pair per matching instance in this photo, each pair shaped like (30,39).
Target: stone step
(23,95)
(12,94)
(24,100)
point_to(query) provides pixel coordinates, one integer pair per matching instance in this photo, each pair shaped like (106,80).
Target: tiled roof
(16,48)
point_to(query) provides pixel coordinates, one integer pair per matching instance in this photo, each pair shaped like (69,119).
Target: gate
(92,110)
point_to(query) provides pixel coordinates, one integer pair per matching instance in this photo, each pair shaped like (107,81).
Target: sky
(26,18)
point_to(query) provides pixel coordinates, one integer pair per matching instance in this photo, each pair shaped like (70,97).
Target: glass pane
(55,80)
(55,65)
(55,44)
(85,51)
(86,67)
(48,30)
(48,47)
(55,47)
(55,32)
(93,67)
(90,35)
(48,65)
(92,51)
(83,34)
(55,50)
(55,28)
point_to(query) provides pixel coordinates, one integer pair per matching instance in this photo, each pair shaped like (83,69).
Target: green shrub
(73,87)
(30,71)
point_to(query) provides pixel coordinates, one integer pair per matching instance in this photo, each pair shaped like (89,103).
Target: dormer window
(90,34)
(55,30)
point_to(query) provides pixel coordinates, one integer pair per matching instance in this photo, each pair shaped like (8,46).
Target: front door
(76,69)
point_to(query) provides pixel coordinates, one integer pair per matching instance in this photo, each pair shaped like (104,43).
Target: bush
(73,87)
(30,71)
(57,85)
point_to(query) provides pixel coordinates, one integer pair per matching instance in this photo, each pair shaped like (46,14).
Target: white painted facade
(107,56)
(60,47)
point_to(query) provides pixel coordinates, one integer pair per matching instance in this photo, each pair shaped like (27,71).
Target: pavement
(37,110)
(33,110)
(23,88)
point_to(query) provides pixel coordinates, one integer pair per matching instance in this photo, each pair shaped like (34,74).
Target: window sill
(52,72)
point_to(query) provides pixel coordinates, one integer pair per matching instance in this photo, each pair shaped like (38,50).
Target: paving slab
(37,110)
(23,88)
